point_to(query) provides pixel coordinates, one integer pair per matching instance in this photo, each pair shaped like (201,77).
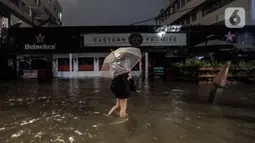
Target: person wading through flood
(219,82)
(120,88)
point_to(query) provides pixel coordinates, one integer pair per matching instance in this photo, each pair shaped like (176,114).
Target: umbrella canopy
(120,61)
(243,46)
(213,45)
(214,42)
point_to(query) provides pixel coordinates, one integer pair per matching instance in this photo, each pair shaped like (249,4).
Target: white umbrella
(120,61)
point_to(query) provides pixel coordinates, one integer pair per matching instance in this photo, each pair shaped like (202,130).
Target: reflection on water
(72,111)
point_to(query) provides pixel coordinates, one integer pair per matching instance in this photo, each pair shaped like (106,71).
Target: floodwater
(71,111)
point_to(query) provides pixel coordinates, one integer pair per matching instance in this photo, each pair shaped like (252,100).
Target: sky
(109,12)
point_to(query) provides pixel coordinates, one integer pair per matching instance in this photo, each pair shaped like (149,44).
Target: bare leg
(114,107)
(212,94)
(122,106)
(125,107)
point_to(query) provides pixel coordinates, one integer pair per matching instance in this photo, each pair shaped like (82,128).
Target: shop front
(34,49)
(77,53)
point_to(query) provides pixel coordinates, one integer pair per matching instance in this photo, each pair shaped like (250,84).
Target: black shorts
(121,96)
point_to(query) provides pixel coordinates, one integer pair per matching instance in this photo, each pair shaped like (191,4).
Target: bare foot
(119,114)
(106,115)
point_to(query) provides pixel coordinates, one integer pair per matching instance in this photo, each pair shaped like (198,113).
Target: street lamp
(161,31)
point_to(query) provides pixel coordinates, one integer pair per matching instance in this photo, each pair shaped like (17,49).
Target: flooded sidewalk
(71,111)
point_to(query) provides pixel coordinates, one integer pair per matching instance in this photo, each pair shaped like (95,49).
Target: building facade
(78,52)
(204,12)
(31,12)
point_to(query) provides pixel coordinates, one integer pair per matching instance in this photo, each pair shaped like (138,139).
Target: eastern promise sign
(135,39)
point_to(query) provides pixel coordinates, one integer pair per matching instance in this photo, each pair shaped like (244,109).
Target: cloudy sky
(108,12)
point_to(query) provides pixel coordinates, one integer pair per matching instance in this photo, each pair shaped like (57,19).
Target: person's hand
(228,63)
(129,76)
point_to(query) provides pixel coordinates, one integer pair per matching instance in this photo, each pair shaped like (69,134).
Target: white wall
(80,74)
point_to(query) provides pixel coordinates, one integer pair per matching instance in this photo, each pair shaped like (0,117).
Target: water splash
(71,139)
(18,134)
(29,122)
(78,132)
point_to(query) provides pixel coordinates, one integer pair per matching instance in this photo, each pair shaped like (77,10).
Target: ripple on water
(29,122)
(64,117)
(39,134)
(1,129)
(19,133)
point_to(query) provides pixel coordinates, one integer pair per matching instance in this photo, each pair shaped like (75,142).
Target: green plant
(217,65)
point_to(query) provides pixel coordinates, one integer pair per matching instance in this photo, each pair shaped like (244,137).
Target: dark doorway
(9,67)
(157,62)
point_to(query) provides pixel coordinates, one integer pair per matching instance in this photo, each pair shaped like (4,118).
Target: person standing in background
(219,82)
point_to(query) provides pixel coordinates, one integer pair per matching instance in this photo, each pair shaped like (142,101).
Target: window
(163,17)
(101,61)
(86,64)
(183,2)
(63,64)
(24,8)
(194,17)
(188,20)
(22,4)
(49,1)
(214,5)
(173,9)
(167,14)
(181,22)
(38,2)
(160,19)
(55,8)
(16,2)
(178,5)
(169,11)
(30,13)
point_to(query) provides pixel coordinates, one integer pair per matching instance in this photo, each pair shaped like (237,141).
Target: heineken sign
(39,46)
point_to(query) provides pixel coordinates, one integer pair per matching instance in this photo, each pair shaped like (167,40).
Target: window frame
(88,66)
(183,2)
(63,67)
(194,17)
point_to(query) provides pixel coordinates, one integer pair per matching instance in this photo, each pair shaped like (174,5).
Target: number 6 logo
(235,17)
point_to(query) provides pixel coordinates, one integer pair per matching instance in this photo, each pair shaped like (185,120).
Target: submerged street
(72,111)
